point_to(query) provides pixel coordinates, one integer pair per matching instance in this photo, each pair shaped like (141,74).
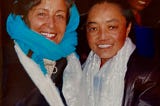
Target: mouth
(142,2)
(48,35)
(104,46)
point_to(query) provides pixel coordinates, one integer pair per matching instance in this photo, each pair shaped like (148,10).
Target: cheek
(62,27)
(35,24)
(120,41)
(91,41)
(61,30)
(133,4)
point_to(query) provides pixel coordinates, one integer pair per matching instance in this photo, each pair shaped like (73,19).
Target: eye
(60,16)
(41,14)
(91,29)
(112,27)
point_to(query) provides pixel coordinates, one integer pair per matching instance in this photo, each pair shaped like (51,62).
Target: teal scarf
(42,47)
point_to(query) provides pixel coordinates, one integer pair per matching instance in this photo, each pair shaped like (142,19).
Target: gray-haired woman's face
(49,18)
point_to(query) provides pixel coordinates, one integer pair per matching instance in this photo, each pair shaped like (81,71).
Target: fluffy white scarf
(104,86)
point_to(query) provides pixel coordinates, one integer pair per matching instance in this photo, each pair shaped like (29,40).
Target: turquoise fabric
(42,47)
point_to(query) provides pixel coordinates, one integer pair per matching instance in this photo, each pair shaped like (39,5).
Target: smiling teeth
(48,35)
(104,46)
(141,2)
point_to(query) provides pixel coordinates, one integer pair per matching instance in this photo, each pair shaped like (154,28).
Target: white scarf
(104,86)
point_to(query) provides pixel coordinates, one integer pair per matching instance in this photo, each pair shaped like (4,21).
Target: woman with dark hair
(44,34)
(114,74)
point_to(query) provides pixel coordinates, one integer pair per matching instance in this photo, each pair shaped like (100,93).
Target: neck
(103,61)
(137,16)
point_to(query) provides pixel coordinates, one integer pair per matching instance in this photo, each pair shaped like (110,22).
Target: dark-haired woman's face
(106,30)
(49,19)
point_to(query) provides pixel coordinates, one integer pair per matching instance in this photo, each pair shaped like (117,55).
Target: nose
(103,33)
(51,22)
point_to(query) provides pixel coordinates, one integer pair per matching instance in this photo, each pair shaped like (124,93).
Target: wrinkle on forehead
(54,4)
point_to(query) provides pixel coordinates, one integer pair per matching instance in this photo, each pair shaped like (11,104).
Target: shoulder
(142,63)
(143,74)
(143,69)
(73,58)
(73,55)
(73,64)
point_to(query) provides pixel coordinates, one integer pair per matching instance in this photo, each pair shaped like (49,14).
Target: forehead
(50,4)
(105,11)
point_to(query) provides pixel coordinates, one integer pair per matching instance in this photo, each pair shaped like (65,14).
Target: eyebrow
(90,22)
(61,11)
(40,9)
(107,21)
(112,20)
(47,10)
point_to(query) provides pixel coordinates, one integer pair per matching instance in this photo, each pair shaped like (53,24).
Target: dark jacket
(142,82)
(36,98)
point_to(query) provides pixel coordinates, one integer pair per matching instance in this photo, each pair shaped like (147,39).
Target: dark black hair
(126,11)
(22,7)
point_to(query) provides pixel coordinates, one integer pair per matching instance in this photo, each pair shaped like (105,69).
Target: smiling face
(139,5)
(106,30)
(49,19)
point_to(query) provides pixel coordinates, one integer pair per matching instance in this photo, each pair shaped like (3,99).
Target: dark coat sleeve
(149,89)
(142,82)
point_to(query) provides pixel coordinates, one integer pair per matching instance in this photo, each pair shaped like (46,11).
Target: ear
(128,29)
